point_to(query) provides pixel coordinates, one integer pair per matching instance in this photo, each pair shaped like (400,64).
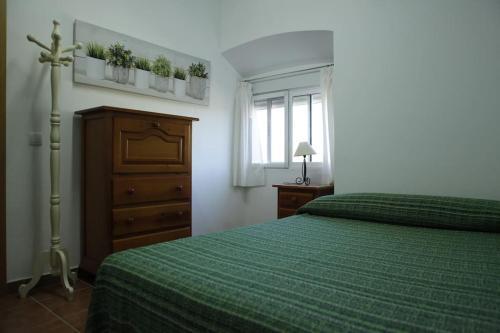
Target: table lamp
(304,149)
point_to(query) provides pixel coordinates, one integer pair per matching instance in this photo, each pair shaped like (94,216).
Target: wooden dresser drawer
(148,239)
(294,200)
(151,145)
(150,218)
(136,189)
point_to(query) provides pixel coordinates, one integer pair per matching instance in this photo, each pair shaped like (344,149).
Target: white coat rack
(56,256)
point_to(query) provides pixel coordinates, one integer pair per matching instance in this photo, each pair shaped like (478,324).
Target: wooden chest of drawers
(136,181)
(291,197)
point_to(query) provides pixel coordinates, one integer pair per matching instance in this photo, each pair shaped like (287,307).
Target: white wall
(416,87)
(188,26)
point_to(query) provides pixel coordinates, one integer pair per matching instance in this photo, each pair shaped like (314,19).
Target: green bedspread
(304,273)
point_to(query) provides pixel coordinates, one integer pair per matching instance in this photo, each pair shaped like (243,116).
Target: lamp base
(299,181)
(304,179)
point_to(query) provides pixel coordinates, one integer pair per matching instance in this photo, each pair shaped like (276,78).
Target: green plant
(119,56)
(161,66)
(95,50)
(198,70)
(180,73)
(142,63)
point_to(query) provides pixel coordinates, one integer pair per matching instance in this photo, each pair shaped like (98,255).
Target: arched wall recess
(281,51)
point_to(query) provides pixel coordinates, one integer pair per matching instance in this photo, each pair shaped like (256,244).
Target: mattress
(305,273)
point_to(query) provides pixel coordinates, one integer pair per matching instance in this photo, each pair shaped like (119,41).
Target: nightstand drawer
(291,196)
(150,218)
(135,190)
(294,200)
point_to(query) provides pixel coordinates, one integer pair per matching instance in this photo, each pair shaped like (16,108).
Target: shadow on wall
(75,168)
(282,51)
(39,122)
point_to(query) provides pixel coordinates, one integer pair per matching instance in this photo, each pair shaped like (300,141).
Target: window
(307,123)
(269,129)
(271,143)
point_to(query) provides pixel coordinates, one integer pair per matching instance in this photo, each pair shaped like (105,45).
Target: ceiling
(281,51)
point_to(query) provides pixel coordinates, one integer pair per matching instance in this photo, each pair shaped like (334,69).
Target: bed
(352,262)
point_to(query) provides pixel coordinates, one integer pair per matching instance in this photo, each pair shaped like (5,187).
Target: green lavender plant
(161,66)
(119,56)
(95,50)
(198,70)
(180,73)
(142,63)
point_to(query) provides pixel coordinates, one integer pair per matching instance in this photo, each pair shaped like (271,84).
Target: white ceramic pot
(95,68)
(197,87)
(171,84)
(161,83)
(121,74)
(152,80)
(180,87)
(141,78)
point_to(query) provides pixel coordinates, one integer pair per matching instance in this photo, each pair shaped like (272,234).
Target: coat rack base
(58,261)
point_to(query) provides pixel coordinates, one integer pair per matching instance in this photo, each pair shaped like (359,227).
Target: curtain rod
(286,74)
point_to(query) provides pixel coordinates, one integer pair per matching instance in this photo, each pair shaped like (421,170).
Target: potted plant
(121,59)
(96,61)
(162,69)
(179,81)
(198,80)
(141,73)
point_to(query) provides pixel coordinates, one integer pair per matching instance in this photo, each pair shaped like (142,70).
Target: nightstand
(291,196)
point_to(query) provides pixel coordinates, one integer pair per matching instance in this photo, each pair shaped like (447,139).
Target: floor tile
(25,315)
(12,300)
(77,320)
(46,310)
(72,312)
(56,290)
(55,326)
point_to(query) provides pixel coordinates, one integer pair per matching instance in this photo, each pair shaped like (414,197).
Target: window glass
(271,142)
(259,132)
(277,130)
(269,124)
(317,127)
(300,123)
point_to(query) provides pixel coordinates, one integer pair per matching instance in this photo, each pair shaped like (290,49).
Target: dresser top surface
(113,109)
(312,187)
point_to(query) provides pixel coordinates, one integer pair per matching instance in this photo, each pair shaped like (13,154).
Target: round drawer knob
(130,219)
(156,124)
(179,188)
(180,213)
(131,190)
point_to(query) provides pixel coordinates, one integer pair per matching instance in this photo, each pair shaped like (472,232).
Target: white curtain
(326,86)
(245,173)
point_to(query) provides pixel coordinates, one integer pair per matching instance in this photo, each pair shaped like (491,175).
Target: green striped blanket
(304,273)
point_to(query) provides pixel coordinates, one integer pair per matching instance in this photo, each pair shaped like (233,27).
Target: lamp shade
(304,148)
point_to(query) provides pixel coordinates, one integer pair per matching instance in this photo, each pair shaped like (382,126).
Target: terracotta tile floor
(45,310)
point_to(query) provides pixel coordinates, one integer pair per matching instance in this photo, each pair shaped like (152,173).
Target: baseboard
(46,279)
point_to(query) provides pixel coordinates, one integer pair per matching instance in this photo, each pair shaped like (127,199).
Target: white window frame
(296,93)
(269,96)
